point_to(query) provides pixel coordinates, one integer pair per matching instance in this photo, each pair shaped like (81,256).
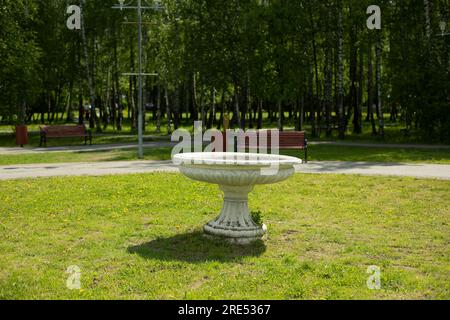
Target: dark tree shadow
(196,248)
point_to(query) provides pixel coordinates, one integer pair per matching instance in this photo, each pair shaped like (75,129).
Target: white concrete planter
(236,174)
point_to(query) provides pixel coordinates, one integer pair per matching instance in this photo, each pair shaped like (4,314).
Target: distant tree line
(301,62)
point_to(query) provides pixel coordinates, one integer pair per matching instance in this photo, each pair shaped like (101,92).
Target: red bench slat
(64,131)
(287,140)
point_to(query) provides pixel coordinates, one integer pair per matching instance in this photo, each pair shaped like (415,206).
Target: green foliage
(257,217)
(280,54)
(19,56)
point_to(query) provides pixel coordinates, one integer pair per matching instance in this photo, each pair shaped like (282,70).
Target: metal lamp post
(157,7)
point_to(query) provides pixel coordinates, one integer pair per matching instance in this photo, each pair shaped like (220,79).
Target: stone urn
(236,174)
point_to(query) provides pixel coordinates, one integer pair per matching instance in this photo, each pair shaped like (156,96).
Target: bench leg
(43,141)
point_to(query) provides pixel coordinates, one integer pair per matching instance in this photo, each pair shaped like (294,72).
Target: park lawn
(316,153)
(157,154)
(139,237)
(7,140)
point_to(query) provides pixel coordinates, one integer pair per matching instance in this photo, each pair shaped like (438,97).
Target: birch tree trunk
(88,71)
(353,107)
(427,7)
(158,108)
(370,95)
(340,75)
(260,114)
(379,52)
(236,118)
(168,111)
(194,113)
(328,89)
(357,121)
(280,114)
(212,110)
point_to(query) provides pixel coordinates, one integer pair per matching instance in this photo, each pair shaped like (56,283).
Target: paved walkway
(381,145)
(431,171)
(166,143)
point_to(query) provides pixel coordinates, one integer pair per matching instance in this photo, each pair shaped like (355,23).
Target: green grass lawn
(139,237)
(60,157)
(7,140)
(316,153)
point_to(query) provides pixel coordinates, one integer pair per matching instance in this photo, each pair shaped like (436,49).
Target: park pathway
(424,171)
(162,143)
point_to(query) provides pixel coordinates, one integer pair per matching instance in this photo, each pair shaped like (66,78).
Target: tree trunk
(69,103)
(80,107)
(380,112)
(370,95)
(202,107)
(169,113)
(212,110)
(316,70)
(280,114)
(222,109)
(177,108)
(260,114)
(93,114)
(236,118)
(194,112)
(357,119)
(328,89)
(353,107)
(427,7)
(158,108)
(340,75)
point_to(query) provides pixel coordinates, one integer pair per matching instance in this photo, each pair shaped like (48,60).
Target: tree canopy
(315,60)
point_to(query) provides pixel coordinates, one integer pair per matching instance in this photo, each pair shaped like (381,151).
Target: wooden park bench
(78,131)
(288,140)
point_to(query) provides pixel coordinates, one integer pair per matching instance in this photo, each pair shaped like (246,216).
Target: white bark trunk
(427,6)
(379,52)
(86,56)
(340,75)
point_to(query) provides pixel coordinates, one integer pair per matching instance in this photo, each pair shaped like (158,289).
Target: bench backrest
(288,140)
(292,139)
(64,131)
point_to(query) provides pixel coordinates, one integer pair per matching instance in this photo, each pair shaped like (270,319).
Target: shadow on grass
(196,248)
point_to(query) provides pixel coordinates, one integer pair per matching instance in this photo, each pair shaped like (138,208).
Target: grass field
(138,237)
(316,153)
(8,140)
(59,157)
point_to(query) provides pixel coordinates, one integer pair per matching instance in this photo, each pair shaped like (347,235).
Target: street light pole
(139,8)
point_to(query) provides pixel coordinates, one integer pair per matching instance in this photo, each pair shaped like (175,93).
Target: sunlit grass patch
(140,237)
